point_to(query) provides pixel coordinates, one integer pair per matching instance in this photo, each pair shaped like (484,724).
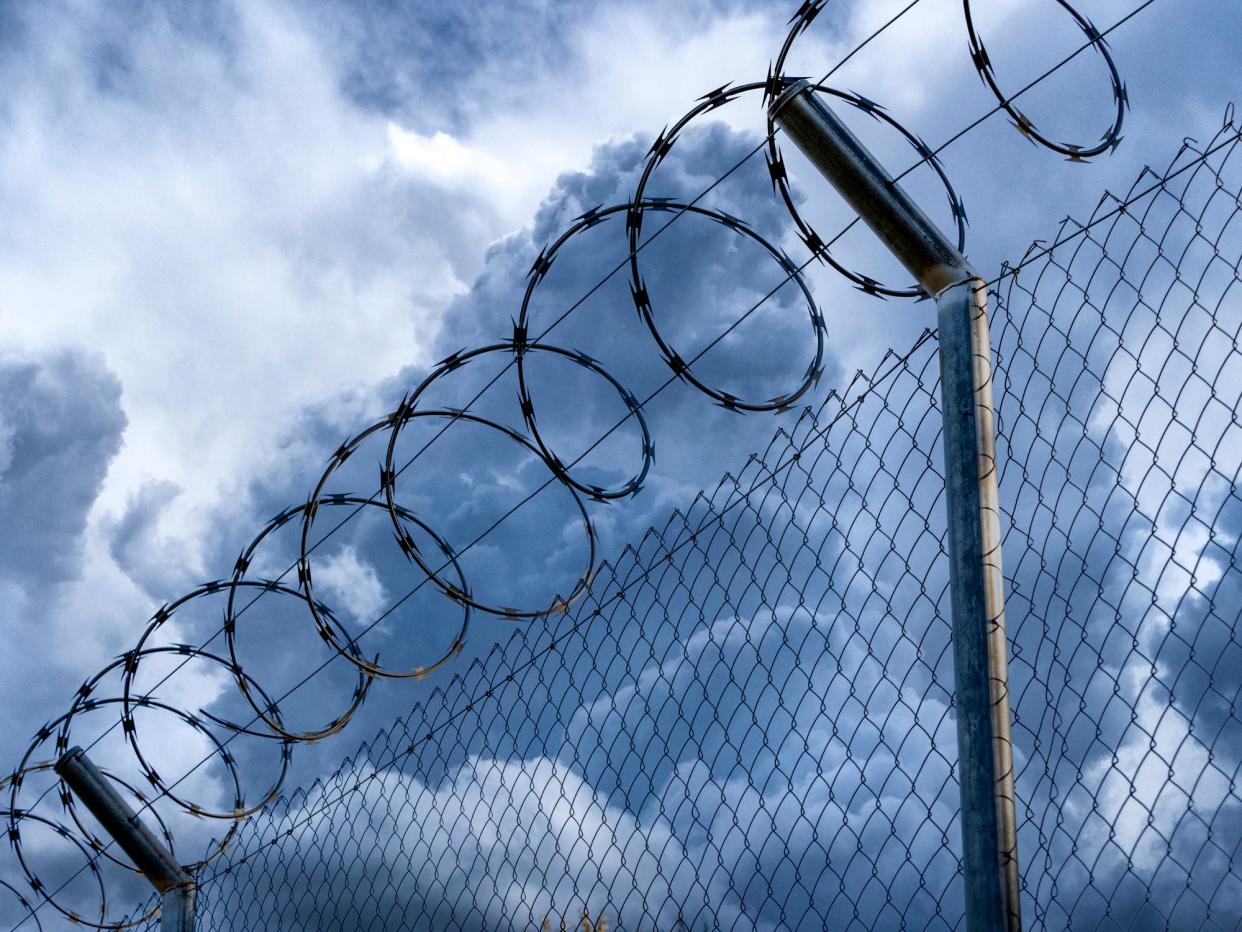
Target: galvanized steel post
(156,862)
(980,665)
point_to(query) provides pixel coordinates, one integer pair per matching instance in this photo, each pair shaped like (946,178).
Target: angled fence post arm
(149,855)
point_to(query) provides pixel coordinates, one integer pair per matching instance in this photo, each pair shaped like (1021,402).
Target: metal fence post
(981,682)
(156,862)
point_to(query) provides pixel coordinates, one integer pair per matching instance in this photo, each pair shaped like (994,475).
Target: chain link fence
(748,722)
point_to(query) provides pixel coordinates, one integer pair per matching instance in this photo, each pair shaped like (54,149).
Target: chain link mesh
(748,722)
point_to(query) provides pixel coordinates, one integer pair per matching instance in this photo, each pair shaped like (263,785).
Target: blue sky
(236,234)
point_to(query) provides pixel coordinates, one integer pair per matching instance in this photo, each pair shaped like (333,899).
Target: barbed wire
(265,707)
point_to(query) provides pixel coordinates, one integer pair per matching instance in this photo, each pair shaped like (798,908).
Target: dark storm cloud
(445,46)
(135,544)
(475,55)
(61,424)
(59,429)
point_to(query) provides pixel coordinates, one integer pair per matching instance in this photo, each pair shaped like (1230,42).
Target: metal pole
(980,663)
(980,666)
(150,857)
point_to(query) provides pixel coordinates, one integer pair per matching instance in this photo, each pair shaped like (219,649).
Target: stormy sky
(236,235)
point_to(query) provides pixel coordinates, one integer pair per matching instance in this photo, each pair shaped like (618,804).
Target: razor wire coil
(520,346)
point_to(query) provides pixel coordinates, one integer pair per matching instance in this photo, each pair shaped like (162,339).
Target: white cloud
(351,584)
(444,158)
